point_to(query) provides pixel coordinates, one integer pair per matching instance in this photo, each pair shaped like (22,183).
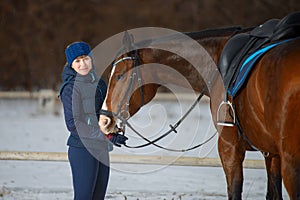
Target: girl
(82,94)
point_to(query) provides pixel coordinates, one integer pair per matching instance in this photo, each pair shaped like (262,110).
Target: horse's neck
(214,46)
(176,70)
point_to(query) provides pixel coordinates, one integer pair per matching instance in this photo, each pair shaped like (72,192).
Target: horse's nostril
(108,121)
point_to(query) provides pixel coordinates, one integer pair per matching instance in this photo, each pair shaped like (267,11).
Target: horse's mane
(218,32)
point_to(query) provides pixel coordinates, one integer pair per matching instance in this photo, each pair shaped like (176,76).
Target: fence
(128,159)
(48,102)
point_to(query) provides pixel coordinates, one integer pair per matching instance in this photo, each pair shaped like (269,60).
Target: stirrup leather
(226,123)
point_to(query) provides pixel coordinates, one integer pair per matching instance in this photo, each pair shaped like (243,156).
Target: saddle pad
(247,65)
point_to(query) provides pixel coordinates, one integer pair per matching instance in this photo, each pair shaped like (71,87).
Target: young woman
(82,94)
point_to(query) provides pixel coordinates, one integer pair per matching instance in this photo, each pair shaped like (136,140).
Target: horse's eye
(119,76)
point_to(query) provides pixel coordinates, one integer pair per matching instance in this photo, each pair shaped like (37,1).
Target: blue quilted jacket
(82,98)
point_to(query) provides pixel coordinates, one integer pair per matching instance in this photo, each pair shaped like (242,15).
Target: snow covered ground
(24,129)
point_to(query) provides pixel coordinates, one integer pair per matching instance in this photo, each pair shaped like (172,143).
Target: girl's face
(82,65)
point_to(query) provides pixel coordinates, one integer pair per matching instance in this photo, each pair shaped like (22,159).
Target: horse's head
(126,93)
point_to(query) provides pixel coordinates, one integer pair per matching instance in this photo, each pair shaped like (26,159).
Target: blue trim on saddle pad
(248,65)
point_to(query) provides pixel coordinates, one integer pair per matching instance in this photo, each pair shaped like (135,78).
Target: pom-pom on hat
(77,49)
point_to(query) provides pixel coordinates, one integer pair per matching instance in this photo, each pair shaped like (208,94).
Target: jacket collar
(70,74)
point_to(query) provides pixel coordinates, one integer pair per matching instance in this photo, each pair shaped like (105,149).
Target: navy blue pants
(90,177)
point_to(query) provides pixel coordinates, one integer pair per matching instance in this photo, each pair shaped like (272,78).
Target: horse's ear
(128,41)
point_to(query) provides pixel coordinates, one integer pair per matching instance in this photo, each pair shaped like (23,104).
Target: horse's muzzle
(107,124)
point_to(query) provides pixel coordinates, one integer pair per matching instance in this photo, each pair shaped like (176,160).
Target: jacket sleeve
(101,94)
(75,122)
(66,98)
(103,88)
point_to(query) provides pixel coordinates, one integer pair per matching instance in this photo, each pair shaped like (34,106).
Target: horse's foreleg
(232,156)
(290,144)
(273,166)
(291,176)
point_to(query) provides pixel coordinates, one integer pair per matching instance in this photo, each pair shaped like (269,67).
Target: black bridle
(123,115)
(135,75)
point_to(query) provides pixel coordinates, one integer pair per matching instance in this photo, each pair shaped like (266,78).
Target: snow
(23,128)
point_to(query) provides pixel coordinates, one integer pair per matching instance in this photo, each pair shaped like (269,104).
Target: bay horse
(267,107)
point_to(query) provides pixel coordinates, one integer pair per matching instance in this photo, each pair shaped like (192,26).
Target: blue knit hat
(77,49)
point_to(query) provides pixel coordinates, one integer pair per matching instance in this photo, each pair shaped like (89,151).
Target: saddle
(240,46)
(243,50)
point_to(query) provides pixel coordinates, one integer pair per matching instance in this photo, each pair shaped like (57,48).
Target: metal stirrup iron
(226,123)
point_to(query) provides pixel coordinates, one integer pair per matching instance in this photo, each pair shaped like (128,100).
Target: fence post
(46,101)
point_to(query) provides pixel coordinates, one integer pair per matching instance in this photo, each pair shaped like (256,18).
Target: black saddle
(288,27)
(240,46)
